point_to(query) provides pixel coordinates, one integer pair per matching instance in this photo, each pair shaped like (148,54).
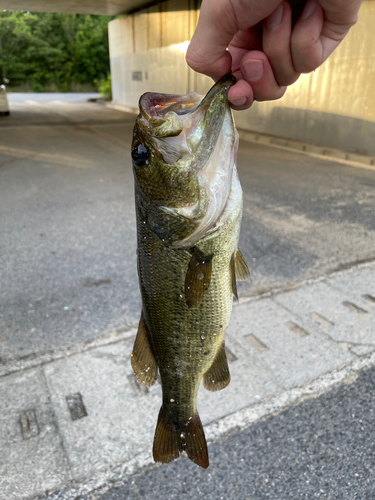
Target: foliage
(58,51)
(105,88)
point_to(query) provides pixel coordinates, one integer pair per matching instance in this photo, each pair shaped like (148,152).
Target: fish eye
(141,155)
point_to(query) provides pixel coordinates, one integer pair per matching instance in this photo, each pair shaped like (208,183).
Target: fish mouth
(166,115)
(188,125)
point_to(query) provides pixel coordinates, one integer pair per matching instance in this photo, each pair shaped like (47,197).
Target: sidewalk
(76,419)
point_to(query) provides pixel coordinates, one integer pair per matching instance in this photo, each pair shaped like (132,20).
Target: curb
(332,154)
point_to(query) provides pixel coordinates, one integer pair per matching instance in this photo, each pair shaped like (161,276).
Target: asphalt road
(67,251)
(321,448)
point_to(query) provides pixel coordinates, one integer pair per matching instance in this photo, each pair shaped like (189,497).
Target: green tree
(53,49)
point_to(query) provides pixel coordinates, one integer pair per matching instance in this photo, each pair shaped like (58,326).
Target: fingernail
(253,69)
(238,100)
(309,9)
(274,19)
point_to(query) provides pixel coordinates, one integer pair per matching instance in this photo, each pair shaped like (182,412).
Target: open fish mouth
(165,115)
(198,131)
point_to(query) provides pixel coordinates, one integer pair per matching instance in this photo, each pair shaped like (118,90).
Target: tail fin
(172,438)
(167,443)
(196,446)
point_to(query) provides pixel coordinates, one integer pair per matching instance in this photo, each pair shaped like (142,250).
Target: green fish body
(188,207)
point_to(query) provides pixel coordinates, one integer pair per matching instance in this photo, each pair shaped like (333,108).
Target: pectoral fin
(242,270)
(239,270)
(233,275)
(218,376)
(198,277)
(142,359)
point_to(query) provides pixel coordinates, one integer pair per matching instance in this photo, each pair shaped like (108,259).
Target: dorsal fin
(142,359)
(198,277)
(217,377)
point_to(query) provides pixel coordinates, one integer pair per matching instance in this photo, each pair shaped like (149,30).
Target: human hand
(267,44)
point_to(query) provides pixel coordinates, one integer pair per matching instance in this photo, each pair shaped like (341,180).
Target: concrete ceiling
(101,7)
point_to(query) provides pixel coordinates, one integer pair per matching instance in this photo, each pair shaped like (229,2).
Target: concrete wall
(334,106)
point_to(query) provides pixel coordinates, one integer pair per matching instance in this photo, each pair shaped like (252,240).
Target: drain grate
(321,319)
(29,424)
(354,307)
(301,332)
(76,407)
(369,297)
(230,356)
(256,343)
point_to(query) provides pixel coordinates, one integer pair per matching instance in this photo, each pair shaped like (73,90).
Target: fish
(188,201)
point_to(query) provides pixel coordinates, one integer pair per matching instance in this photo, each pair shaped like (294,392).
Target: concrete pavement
(73,416)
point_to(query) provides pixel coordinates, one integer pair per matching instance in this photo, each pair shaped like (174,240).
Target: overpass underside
(100,7)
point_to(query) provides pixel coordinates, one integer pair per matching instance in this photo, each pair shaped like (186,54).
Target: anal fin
(172,438)
(198,277)
(217,377)
(143,362)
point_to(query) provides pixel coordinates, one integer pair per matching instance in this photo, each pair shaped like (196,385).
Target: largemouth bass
(188,206)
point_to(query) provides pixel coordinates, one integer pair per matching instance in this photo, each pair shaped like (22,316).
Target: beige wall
(147,51)
(334,106)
